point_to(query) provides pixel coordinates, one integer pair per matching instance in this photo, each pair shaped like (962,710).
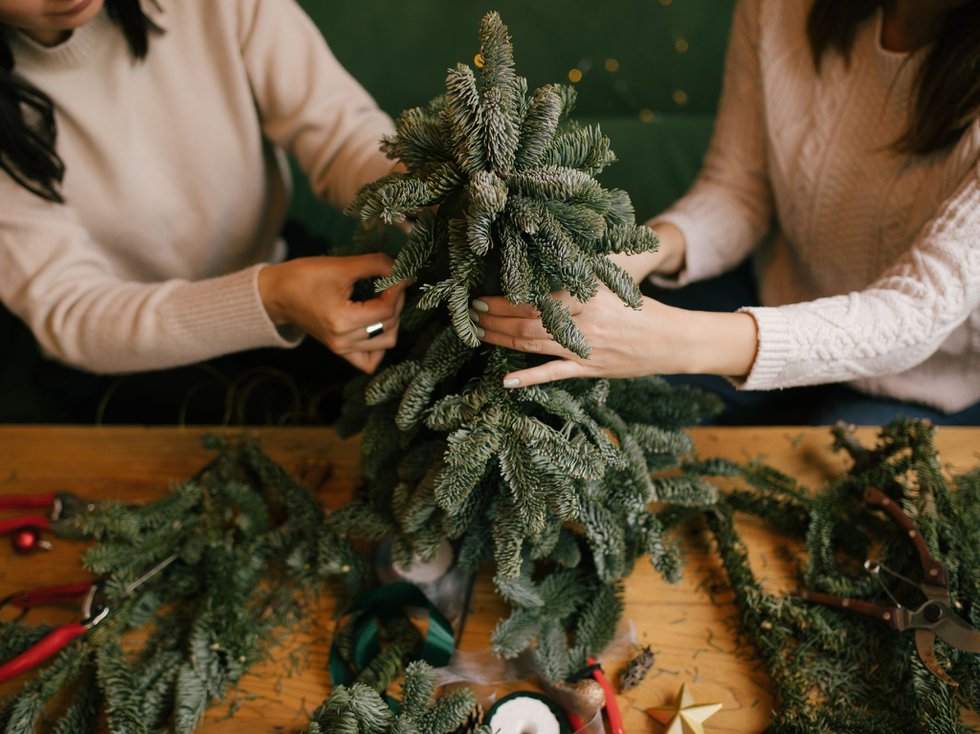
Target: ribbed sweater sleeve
(894,324)
(728,209)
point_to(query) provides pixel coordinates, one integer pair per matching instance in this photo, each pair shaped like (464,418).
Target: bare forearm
(712,343)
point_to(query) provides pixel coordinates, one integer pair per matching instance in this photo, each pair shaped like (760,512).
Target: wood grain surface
(690,629)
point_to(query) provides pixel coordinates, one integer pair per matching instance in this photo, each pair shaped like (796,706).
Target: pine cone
(636,669)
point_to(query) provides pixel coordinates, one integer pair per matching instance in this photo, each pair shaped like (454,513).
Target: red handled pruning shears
(934,618)
(95,608)
(25,531)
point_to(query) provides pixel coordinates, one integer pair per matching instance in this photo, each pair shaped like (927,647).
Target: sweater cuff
(694,267)
(772,352)
(227,315)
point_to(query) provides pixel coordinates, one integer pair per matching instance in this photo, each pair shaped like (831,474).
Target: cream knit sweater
(176,186)
(879,254)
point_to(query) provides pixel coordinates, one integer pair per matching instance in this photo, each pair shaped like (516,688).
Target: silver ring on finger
(375,329)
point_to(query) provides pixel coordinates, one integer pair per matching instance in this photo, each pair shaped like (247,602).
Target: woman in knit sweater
(143,183)
(854,125)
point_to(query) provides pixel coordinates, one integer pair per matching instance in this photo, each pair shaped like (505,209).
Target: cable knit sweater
(873,273)
(176,183)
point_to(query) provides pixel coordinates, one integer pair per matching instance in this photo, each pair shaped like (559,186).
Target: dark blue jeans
(818,405)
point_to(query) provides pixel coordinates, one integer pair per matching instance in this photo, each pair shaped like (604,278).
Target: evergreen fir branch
(551,654)
(557,183)
(463,116)
(369,194)
(628,238)
(586,149)
(619,212)
(685,490)
(443,180)
(562,259)
(524,476)
(417,252)
(501,135)
(565,592)
(617,280)
(596,624)
(357,709)
(508,538)
(514,635)
(566,551)
(388,383)
(520,590)
(582,223)
(433,295)
(664,556)
(82,714)
(516,276)
(448,713)
(606,541)
(497,53)
(123,710)
(559,324)
(459,312)
(477,546)
(469,451)
(538,129)
(417,140)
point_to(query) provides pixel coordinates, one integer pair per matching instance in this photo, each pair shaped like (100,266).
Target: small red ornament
(28,540)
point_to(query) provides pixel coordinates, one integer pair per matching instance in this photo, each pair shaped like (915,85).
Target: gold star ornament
(684,717)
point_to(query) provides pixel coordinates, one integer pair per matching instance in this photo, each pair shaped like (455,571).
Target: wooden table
(693,635)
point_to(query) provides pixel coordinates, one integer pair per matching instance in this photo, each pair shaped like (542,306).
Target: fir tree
(552,483)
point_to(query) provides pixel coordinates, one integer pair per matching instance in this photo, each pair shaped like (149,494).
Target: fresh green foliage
(832,671)
(551,483)
(359,709)
(252,551)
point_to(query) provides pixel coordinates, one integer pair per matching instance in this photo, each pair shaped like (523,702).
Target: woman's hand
(314,294)
(656,339)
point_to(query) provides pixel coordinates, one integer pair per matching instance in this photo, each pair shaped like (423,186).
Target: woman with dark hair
(143,183)
(849,130)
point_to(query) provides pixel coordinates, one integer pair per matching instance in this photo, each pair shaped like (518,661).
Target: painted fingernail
(512,382)
(480,306)
(480,332)
(474,316)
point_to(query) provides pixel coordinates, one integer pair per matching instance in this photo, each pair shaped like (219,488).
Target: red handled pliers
(933,618)
(95,608)
(25,531)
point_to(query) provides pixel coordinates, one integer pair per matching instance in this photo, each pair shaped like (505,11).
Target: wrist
(711,343)
(670,256)
(270,282)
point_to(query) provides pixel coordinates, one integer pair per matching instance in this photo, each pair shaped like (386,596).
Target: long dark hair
(947,89)
(27,123)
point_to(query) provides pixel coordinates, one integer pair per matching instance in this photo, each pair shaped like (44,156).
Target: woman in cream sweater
(143,183)
(849,133)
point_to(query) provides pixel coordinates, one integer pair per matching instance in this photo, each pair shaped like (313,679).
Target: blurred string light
(621,86)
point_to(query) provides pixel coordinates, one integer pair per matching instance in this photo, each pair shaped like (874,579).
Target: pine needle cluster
(551,483)
(833,671)
(359,709)
(251,552)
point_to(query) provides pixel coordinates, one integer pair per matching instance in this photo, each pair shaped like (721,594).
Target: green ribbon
(386,602)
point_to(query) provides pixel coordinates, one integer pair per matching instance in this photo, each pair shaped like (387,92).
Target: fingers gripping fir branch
(315,295)
(653,339)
